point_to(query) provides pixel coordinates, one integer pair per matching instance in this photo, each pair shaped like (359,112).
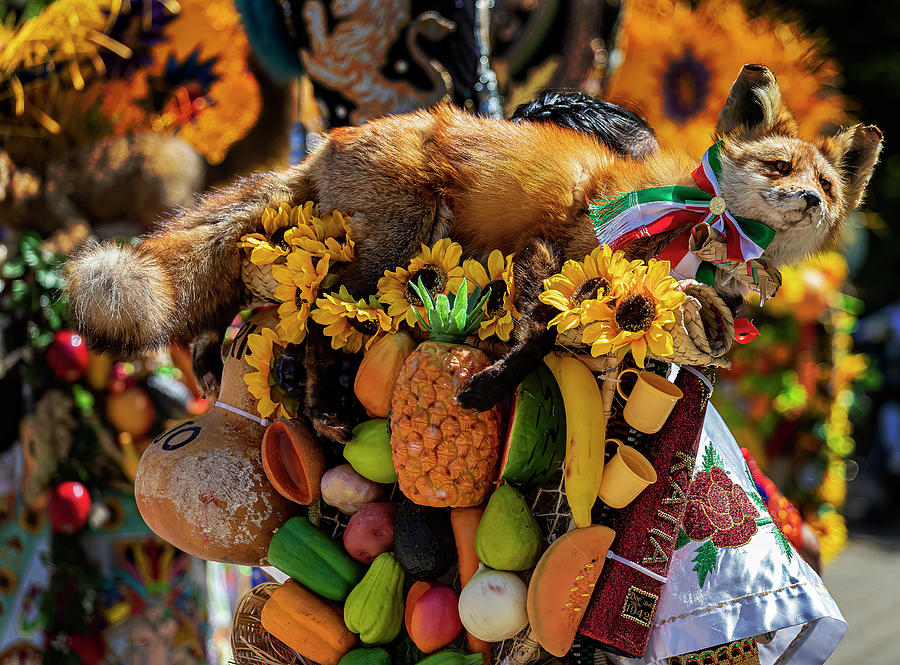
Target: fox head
(801,189)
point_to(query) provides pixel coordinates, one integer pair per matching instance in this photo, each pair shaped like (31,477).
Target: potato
(370,531)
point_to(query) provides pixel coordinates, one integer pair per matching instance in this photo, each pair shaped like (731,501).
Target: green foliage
(453,317)
(682,539)
(705,561)
(31,303)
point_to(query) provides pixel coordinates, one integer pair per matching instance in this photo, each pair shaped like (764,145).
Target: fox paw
(332,427)
(483,392)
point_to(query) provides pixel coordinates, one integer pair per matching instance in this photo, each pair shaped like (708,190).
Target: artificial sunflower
(598,278)
(500,314)
(270,246)
(640,319)
(435,266)
(328,235)
(299,279)
(197,84)
(351,323)
(276,382)
(675,68)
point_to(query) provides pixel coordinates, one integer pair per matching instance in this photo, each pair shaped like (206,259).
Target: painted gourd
(307,624)
(201,485)
(562,584)
(374,609)
(309,556)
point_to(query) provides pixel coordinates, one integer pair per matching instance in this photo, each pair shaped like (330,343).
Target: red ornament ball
(90,648)
(68,507)
(68,355)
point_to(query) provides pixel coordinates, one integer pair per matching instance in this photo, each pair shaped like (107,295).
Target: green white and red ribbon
(646,212)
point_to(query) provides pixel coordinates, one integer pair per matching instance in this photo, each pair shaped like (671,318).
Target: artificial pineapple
(444,455)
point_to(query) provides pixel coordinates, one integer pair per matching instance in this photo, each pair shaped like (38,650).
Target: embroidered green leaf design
(706,561)
(682,539)
(783,543)
(711,458)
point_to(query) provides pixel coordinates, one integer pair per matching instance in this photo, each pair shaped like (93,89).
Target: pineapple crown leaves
(451,318)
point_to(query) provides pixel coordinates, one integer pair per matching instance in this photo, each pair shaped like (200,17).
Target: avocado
(423,540)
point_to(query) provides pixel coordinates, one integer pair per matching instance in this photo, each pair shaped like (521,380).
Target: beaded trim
(742,652)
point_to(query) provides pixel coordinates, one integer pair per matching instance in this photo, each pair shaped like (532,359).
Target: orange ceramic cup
(651,400)
(625,476)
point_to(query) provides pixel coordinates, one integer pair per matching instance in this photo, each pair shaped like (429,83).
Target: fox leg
(537,261)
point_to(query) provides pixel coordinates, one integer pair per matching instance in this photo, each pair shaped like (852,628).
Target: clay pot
(201,485)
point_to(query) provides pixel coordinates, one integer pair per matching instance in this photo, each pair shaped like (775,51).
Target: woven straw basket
(251,644)
(702,335)
(258,279)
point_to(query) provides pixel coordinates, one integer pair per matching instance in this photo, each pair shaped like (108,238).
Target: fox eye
(826,185)
(782,166)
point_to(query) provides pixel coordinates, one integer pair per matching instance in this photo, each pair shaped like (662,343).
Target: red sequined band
(620,614)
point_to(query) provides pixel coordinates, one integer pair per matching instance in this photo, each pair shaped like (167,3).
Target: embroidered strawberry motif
(719,508)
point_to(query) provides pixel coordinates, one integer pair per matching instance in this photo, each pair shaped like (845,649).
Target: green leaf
(48,278)
(706,561)
(31,255)
(682,539)
(458,315)
(711,458)
(83,399)
(442,310)
(20,293)
(14,269)
(783,543)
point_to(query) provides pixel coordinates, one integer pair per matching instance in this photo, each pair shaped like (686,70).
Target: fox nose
(812,199)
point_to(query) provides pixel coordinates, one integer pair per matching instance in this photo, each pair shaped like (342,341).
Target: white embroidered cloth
(718,593)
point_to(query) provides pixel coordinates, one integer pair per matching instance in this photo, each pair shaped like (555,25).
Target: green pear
(508,537)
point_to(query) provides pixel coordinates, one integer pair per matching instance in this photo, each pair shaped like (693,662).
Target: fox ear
(755,106)
(855,152)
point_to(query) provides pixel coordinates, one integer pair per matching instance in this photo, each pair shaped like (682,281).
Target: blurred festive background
(115,111)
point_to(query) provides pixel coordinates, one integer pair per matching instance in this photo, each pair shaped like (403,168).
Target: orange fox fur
(487,184)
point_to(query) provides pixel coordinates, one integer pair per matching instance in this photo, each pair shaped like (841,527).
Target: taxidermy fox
(487,184)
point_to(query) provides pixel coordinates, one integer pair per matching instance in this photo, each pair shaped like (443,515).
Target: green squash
(374,609)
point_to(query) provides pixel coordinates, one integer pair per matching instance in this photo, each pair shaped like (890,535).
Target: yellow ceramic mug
(651,400)
(625,476)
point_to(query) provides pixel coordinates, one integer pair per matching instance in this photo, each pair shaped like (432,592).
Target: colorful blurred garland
(78,71)
(75,406)
(789,394)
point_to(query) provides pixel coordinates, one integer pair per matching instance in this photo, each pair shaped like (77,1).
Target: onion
(492,606)
(346,490)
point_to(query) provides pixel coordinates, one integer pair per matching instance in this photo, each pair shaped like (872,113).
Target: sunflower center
(432,278)
(686,87)
(288,373)
(635,313)
(498,295)
(590,289)
(365,327)
(277,238)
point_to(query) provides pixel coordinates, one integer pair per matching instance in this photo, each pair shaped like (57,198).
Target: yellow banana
(585,433)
